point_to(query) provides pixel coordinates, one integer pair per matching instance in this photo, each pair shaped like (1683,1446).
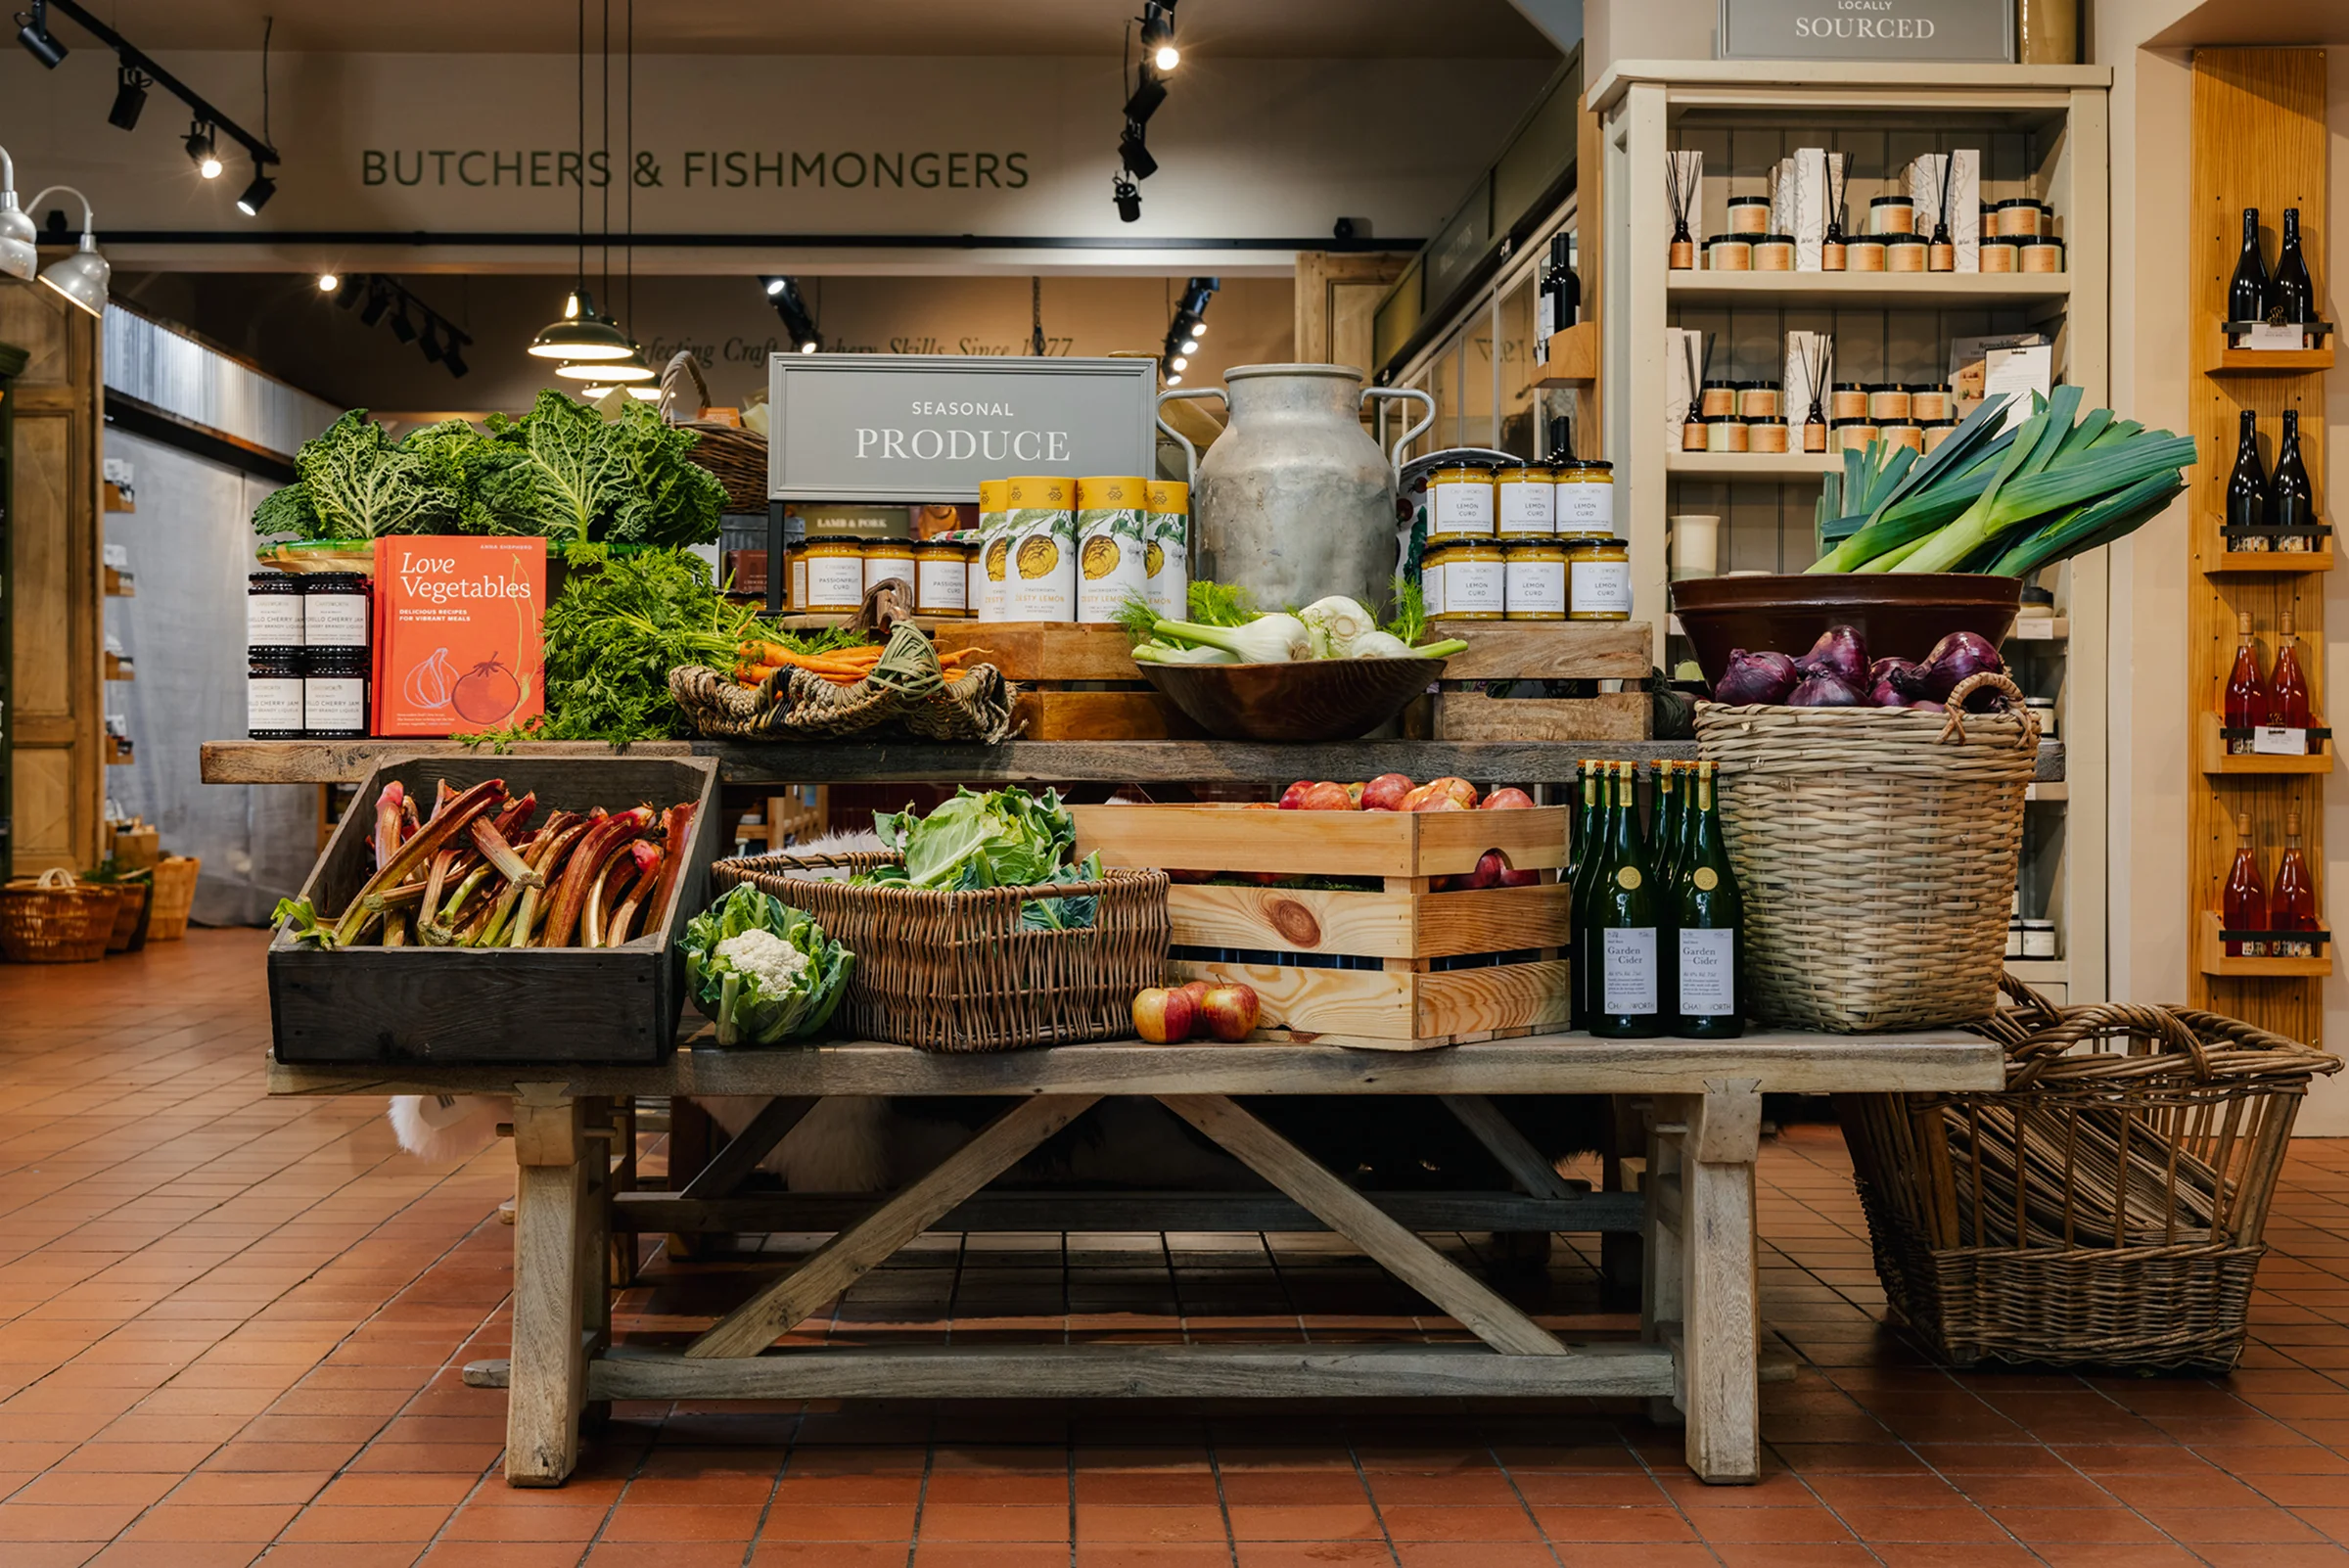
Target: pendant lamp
(582,334)
(81,277)
(18,257)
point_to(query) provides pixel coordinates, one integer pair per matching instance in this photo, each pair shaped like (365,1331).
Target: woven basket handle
(57,876)
(2028,1059)
(1952,727)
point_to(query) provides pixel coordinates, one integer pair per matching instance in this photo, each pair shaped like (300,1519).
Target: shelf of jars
(1925,291)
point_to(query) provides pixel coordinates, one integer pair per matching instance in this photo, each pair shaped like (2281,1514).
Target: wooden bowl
(1312,699)
(1899,616)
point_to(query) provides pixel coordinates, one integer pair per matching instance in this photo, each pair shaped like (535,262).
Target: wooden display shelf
(120,585)
(119,667)
(2267,563)
(119,753)
(1875,291)
(2272,362)
(1786,466)
(1572,358)
(2210,957)
(2212,757)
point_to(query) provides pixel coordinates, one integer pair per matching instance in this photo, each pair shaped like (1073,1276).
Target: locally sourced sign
(929,427)
(1866,29)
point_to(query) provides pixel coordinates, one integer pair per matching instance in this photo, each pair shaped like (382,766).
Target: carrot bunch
(843,666)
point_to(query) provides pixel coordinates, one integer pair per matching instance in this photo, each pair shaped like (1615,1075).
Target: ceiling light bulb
(809,347)
(1198,332)
(327,282)
(571,307)
(776,285)
(257,194)
(1179,363)
(1173,381)
(1166,58)
(1190,346)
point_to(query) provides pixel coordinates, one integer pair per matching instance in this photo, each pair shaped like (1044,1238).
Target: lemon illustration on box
(1167,558)
(992,599)
(1041,538)
(1112,529)
(456,634)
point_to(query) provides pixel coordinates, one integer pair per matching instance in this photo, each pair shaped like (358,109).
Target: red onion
(1956,657)
(1756,677)
(1884,694)
(1825,690)
(1929,708)
(1839,652)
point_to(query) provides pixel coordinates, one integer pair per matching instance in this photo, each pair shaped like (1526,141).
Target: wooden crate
(557,1006)
(1406,1003)
(1462,707)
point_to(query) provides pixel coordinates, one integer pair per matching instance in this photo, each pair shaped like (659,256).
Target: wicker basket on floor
(959,971)
(1875,850)
(174,892)
(55,920)
(2106,1208)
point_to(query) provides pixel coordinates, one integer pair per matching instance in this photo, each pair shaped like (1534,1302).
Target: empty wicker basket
(2106,1208)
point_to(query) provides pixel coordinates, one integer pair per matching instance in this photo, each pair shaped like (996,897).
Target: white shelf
(1788,466)
(2040,628)
(2041,971)
(1869,291)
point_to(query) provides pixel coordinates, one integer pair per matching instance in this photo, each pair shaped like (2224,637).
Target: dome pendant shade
(81,277)
(587,336)
(607,371)
(19,258)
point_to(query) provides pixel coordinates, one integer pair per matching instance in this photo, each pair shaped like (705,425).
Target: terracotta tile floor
(234,1326)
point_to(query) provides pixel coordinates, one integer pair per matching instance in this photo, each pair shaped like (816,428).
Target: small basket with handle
(56,918)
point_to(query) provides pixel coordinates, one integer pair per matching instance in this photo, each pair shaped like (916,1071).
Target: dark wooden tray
(603,1005)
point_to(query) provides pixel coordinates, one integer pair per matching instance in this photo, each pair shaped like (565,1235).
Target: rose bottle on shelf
(2243,903)
(2288,684)
(2293,905)
(2247,701)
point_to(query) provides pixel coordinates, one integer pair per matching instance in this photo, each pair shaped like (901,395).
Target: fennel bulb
(1273,639)
(1336,624)
(1159,653)
(1378,645)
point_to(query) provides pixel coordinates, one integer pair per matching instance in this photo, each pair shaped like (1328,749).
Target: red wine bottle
(2291,499)
(2248,289)
(2293,904)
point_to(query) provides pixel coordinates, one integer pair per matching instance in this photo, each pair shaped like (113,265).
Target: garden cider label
(456,637)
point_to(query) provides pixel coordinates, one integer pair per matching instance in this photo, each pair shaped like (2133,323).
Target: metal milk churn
(1295,501)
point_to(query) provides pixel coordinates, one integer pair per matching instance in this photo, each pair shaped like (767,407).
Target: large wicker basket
(174,895)
(2106,1208)
(958,971)
(55,920)
(1875,850)
(737,456)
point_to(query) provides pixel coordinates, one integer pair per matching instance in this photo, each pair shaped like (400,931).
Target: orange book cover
(456,634)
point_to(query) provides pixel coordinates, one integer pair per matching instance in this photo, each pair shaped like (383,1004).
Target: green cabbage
(352,482)
(743,1009)
(1003,839)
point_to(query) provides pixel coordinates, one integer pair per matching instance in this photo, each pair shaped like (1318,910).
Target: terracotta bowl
(1315,700)
(1897,615)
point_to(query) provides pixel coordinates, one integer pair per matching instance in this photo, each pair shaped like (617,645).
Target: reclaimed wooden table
(1697,1356)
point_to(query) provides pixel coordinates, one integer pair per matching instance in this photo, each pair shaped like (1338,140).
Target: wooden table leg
(558,1260)
(1661,1307)
(1720,1331)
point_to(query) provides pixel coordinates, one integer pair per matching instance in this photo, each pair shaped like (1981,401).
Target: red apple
(1294,796)
(1385,792)
(1354,793)
(1163,1017)
(1489,868)
(1518,879)
(1196,991)
(1190,876)
(1232,1011)
(1460,789)
(1326,797)
(1432,798)
(1511,799)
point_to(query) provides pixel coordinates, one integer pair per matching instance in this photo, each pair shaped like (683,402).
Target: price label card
(2269,338)
(2034,628)
(2274,739)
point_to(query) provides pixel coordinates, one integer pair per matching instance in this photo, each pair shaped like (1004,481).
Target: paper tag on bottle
(2274,739)
(2266,337)
(1628,970)
(1708,971)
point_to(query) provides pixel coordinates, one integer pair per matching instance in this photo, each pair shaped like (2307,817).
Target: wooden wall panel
(57,718)
(2258,140)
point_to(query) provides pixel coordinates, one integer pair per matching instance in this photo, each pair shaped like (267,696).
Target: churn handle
(1190,453)
(1395,471)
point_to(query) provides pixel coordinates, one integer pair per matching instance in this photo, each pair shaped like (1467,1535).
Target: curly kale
(562,469)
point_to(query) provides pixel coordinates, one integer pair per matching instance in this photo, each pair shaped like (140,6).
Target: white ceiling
(1235,28)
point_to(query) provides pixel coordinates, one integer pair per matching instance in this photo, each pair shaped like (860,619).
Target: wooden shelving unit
(1572,358)
(2258,140)
(2043,132)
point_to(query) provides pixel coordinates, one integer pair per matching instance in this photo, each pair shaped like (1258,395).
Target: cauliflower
(765,957)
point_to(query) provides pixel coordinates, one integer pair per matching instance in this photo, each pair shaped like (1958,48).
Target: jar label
(1463,508)
(1587,508)
(1600,588)
(798,583)
(1431,586)
(334,619)
(1536,587)
(1472,587)
(1708,973)
(942,585)
(273,702)
(1628,970)
(835,581)
(1041,566)
(334,703)
(1528,506)
(273,619)
(1166,563)
(879,568)
(1111,543)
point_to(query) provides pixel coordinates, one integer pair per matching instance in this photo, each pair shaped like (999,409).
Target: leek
(2087,527)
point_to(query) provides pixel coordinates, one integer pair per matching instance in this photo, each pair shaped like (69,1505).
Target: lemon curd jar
(1475,580)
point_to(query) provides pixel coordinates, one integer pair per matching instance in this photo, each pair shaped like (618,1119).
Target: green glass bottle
(1590,841)
(1666,824)
(1626,1000)
(1675,784)
(1710,914)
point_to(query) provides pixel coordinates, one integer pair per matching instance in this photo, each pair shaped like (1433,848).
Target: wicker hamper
(1875,850)
(2146,1162)
(174,894)
(737,456)
(957,971)
(55,920)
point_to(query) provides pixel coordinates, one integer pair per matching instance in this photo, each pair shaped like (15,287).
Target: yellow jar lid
(993,495)
(1097,491)
(1463,474)
(1040,493)
(1170,496)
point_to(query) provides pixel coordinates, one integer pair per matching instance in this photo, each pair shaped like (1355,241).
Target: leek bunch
(2002,503)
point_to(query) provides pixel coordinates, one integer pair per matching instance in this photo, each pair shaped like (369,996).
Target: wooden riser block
(1050,715)
(1371,925)
(1469,716)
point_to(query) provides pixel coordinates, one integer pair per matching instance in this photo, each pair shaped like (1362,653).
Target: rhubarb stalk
(525,912)
(648,858)
(500,853)
(387,822)
(677,826)
(435,884)
(427,842)
(587,863)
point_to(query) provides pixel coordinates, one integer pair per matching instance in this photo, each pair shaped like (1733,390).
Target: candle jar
(1892,214)
(1863,255)
(1749,214)
(1730,252)
(1904,254)
(1774,252)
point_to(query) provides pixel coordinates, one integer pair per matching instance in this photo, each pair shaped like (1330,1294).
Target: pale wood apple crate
(1408,1002)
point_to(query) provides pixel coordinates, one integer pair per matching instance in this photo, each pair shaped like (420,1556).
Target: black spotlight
(202,151)
(378,301)
(1135,154)
(1157,34)
(431,344)
(774,285)
(32,32)
(1128,197)
(453,361)
(401,327)
(257,194)
(131,95)
(348,295)
(1148,93)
